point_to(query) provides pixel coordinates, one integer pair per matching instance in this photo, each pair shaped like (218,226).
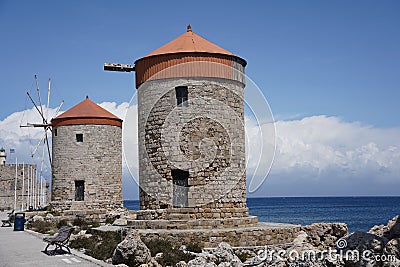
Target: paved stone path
(20,248)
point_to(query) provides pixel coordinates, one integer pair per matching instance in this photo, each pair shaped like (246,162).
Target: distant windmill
(45,124)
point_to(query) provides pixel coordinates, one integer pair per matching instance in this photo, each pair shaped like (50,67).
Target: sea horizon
(127,199)
(360,213)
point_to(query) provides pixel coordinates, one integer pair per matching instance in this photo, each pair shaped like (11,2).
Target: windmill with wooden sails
(37,196)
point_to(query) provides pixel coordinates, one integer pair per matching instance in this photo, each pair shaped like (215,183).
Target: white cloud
(24,140)
(13,136)
(321,144)
(322,155)
(317,148)
(114,108)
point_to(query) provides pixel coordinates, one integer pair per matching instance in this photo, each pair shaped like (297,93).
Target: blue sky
(310,57)
(335,59)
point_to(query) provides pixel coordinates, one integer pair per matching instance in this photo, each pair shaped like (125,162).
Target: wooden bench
(7,222)
(60,240)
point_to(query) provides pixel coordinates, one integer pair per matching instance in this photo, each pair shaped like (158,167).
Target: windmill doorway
(181,188)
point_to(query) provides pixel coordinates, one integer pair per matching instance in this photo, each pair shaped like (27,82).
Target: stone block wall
(194,213)
(25,180)
(206,138)
(97,161)
(181,222)
(260,235)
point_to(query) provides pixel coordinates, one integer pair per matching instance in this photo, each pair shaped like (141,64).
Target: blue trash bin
(19,221)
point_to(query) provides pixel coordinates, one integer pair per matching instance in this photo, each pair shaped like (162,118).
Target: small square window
(181,96)
(79,138)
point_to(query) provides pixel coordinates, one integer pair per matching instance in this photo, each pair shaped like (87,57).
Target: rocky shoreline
(319,244)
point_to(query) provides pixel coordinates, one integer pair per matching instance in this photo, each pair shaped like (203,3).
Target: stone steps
(184,223)
(192,213)
(260,234)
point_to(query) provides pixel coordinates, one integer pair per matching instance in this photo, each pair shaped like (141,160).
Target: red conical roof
(86,112)
(189,55)
(189,42)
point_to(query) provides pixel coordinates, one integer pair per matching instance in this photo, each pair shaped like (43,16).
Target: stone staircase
(183,223)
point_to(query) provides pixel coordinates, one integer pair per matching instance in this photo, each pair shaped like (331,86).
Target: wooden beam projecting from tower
(119,67)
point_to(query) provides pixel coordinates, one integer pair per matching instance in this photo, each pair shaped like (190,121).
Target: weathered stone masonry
(191,138)
(97,161)
(206,138)
(7,185)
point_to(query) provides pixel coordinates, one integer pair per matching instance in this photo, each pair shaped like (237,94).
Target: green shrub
(85,224)
(108,241)
(243,256)
(79,221)
(157,246)
(62,223)
(110,220)
(100,245)
(94,224)
(82,242)
(54,213)
(43,227)
(194,247)
(171,255)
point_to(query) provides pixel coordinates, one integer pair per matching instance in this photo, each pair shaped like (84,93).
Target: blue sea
(360,213)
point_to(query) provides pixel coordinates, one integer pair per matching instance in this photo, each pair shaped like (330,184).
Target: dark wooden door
(181,188)
(79,190)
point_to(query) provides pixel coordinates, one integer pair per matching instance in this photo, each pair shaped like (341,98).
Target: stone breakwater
(319,244)
(259,235)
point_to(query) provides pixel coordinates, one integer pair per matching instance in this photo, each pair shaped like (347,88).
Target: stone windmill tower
(87,160)
(191,130)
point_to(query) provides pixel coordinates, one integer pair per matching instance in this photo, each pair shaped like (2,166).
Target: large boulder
(393,248)
(81,234)
(389,231)
(200,262)
(378,230)
(225,254)
(359,249)
(362,241)
(120,222)
(181,264)
(132,251)
(324,235)
(38,218)
(392,253)
(393,230)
